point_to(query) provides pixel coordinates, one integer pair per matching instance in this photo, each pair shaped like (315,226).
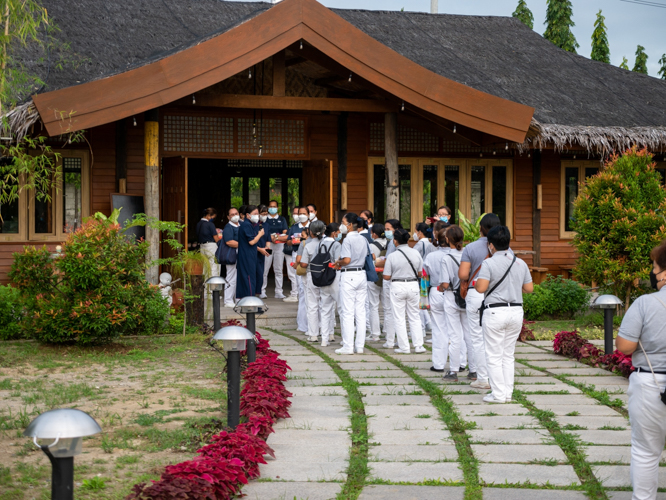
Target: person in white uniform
(208,236)
(433,265)
(277,228)
(312,295)
(643,336)
(472,257)
(230,235)
(292,235)
(402,269)
(390,226)
(353,284)
(503,278)
(457,326)
(378,249)
(302,314)
(424,247)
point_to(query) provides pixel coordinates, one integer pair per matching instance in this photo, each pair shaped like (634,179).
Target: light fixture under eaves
(507,146)
(402,108)
(350,77)
(301,44)
(455,129)
(249,73)
(134,118)
(194,99)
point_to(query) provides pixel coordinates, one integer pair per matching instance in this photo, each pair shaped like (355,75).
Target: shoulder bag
(369,266)
(483,302)
(382,253)
(460,300)
(464,284)
(416,275)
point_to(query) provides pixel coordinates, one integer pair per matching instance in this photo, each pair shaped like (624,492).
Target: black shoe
(433,369)
(450,377)
(462,369)
(471,376)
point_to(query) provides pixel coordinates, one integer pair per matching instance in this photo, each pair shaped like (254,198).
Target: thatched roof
(577,100)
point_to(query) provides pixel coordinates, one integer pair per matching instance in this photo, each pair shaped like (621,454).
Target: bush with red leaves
(246,447)
(572,345)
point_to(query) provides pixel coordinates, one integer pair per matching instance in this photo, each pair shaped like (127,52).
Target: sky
(629,24)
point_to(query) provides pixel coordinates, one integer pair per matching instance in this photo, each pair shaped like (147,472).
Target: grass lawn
(590,326)
(157,399)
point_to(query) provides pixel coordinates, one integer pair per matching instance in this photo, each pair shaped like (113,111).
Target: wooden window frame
(464,187)
(581,165)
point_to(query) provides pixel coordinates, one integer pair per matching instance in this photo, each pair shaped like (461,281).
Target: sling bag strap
(471,278)
(457,263)
(410,263)
(378,245)
(500,281)
(645,353)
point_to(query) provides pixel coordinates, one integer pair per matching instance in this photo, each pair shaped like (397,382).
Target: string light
(134,120)
(455,129)
(574,157)
(301,44)
(249,74)
(261,150)
(494,152)
(350,77)
(507,146)
(529,155)
(481,155)
(194,99)
(402,108)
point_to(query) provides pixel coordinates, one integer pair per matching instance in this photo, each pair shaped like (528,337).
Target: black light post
(251,306)
(233,340)
(216,285)
(608,303)
(67,427)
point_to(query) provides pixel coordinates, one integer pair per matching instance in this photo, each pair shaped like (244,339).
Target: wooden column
(536,212)
(152,194)
(121,156)
(342,164)
(279,81)
(392,176)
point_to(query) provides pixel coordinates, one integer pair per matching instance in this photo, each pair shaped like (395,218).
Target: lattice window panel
(243,163)
(70,164)
(461,147)
(409,139)
(277,136)
(376,137)
(198,134)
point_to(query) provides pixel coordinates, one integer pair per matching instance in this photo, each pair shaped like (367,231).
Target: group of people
(472,303)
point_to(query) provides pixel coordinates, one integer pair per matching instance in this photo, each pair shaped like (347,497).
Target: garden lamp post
(251,306)
(233,342)
(67,427)
(608,303)
(216,285)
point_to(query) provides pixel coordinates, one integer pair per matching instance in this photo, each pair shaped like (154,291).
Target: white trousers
(209,249)
(313,303)
(425,317)
(478,353)
(389,325)
(329,299)
(458,330)
(302,314)
(353,290)
(501,328)
(647,415)
(405,299)
(291,274)
(230,290)
(276,259)
(440,332)
(374,292)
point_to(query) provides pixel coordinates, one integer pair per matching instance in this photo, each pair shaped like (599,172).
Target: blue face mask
(388,234)
(272,210)
(338,237)
(444,219)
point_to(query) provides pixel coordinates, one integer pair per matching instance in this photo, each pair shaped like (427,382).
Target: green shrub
(10,313)
(555,297)
(94,293)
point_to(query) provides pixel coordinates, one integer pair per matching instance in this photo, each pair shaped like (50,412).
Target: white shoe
(387,346)
(342,343)
(263,296)
(324,343)
(358,351)
(402,351)
(419,349)
(373,338)
(291,298)
(428,341)
(489,398)
(343,351)
(331,338)
(280,297)
(314,338)
(229,304)
(480,384)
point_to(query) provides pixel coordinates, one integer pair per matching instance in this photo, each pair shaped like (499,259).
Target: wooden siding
(523,199)
(103,143)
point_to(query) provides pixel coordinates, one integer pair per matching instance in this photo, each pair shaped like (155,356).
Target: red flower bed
(572,345)
(232,457)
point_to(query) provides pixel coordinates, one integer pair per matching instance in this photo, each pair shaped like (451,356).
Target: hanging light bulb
(402,108)
(494,152)
(507,146)
(254,129)
(261,150)
(134,118)
(301,44)
(249,74)
(350,77)
(455,129)
(574,157)
(480,155)
(529,155)
(194,99)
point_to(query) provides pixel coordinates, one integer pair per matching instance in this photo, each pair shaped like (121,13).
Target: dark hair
(500,237)
(488,222)
(422,227)
(210,211)
(317,229)
(455,235)
(658,255)
(262,208)
(250,208)
(401,236)
(311,205)
(297,208)
(368,214)
(395,223)
(242,210)
(230,209)
(355,220)
(274,201)
(378,229)
(445,208)
(331,228)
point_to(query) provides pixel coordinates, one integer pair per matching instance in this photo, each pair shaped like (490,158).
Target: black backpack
(322,275)
(460,301)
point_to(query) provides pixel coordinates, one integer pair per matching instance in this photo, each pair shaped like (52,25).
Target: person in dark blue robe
(262,246)
(250,233)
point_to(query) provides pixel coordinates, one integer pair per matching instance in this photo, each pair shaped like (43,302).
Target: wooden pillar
(536,210)
(279,80)
(121,156)
(392,175)
(342,164)
(152,194)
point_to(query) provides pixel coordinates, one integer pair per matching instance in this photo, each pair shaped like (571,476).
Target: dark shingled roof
(497,55)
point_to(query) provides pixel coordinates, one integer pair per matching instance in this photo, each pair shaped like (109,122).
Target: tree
(625,63)
(559,24)
(640,66)
(524,14)
(662,70)
(618,220)
(600,50)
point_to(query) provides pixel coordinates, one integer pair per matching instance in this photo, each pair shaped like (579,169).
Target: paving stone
(565,399)
(325,401)
(538,356)
(626,495)
(531,389)
(563,363)
(541,343)
(306,452)
(393,411)
(581,371)
(378,400)
(616,453)
(615,476)
(583,410)
(602,381)
(318,424)
(395,381)
(528,372)
(309,367)
(392,390)
(468,411)
(409,452)
(521,453)
(545,380)
(293,491)
(522,494)
(527,348)
(399,492)
(368,365)
(503,422)
(415,472)
(314,438)
(412,438)
(384,372)
(355,358)
(595,422)
(421,365)
(468,399)
(558,475)
(400,423)
(311,382)
(604,437)
(304,471)
(513,436)
(312,375)
(424,356)
(307,391)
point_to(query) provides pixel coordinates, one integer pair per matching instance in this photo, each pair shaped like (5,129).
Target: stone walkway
(413,455)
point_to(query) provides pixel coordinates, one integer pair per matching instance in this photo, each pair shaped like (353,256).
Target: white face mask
(295,216)
(235,219)
(311,216)
(254,219)
(415,237)
(302,218)
(264,218)
(343,229)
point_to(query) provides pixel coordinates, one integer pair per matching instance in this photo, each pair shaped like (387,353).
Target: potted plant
(195,263)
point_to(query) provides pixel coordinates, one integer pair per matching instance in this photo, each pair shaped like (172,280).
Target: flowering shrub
(526,333)
(572,345)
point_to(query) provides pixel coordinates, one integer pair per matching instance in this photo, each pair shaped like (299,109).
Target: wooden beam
(121,153)
(152,192)
(392,174)
(294,61)
(536,212)
(296,103)
(342,163)
(279,83)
